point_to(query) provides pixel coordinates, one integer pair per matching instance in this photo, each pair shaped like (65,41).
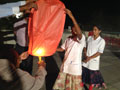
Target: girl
(95,47)
(69,77)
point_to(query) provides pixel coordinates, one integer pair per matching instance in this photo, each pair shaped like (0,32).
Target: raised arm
(77,28)
(28,6)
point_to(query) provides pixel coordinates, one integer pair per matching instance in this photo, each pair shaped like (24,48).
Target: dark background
(88,12)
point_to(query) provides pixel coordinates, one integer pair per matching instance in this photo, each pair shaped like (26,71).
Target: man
(21,33)
(9,9)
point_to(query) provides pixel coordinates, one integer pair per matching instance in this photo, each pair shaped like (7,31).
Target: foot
(104,85)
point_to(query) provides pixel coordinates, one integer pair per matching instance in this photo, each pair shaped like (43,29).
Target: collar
(96,38)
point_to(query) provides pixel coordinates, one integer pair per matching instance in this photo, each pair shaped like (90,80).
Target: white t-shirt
(94,46)
(21,33)
(73,55)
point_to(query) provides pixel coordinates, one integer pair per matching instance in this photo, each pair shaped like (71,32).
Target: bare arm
(59,49)
(24,55)
(28,6)
(77,28)
(93,56)
(85,52)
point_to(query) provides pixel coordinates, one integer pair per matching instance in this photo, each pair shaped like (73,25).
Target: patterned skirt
(93,78)
(67,82)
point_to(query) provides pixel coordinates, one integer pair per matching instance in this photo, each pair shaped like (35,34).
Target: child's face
(73,31)
(96,31)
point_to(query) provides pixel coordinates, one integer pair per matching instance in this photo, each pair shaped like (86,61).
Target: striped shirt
(20,29)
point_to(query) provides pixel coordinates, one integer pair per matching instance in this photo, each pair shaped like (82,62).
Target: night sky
(88,12)
(105,13)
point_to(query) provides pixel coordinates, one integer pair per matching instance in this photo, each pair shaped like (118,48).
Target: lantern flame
(40,59)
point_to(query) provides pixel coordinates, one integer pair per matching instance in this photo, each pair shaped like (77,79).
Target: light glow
(39,52)
(40,59)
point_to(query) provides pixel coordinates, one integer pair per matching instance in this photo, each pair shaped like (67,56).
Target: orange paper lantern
(46,27)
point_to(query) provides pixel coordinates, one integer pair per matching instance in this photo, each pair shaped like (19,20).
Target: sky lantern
(45,27)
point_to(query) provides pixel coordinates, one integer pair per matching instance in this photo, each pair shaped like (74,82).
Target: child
(95,47)
(69,77)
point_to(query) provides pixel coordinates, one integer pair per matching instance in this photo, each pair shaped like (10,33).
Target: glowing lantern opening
(39,52)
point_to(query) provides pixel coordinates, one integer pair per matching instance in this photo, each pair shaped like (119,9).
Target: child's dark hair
(98,26)
(10,54)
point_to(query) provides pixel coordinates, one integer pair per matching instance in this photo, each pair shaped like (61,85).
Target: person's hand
(24,55)
(87,59)
(31,5)
(42,63)
(28,7)
(69,13)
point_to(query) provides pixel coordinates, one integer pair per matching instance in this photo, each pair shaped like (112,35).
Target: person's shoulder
(102,40)
(90,37)
(69,37)
(83,35)
(21,72)
(19,22)
(15,24)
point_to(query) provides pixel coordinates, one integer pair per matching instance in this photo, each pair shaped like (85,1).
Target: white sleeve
(88,38)
(15,10)
(82,40)
(85,44)
(102,46)
(39,79)
(33,83)
(63,46)
(23,3)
